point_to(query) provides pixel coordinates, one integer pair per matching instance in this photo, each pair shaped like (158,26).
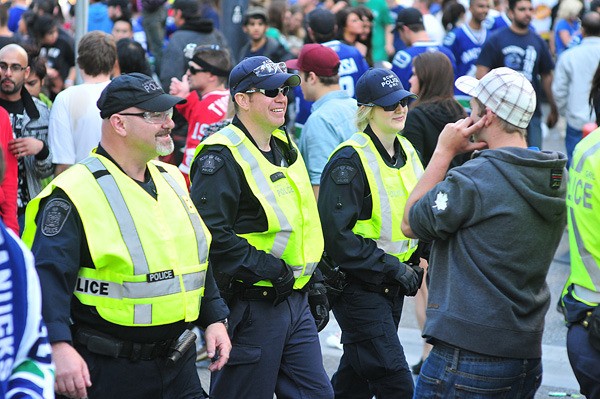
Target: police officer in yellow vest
(363,191)
(122,256)
(252,189)
(582,291)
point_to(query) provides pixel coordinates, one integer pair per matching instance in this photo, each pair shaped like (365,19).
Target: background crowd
(51,79)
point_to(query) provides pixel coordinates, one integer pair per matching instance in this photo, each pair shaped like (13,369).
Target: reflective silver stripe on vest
(416,163)
(142,314)
(591,266)
(310,268)
(385,235)
(590,151)
(117,203)
(139,289)
(194,217)
(282,237)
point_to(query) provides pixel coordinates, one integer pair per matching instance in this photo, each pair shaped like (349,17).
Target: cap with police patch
(134,90)
(261,73)
(379,86)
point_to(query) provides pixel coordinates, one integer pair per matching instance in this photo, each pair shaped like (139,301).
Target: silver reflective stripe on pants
(194,217)
(591,266)
(283,236)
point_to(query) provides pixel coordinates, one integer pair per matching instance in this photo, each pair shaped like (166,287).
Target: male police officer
(121,231)
(252,189)
(582,291)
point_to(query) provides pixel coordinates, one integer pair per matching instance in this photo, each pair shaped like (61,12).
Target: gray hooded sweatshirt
(495,223)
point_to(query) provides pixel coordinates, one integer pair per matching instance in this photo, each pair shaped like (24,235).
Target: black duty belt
(386,290)
(256,293)
(103,344)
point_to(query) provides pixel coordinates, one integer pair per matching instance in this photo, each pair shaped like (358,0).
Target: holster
(333,278)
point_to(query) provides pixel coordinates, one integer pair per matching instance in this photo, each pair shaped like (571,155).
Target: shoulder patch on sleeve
(343,174)
(55,214)
(210,163)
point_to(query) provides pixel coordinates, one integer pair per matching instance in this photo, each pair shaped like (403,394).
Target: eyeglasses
(263,70)
(13,67)
(389,108)
(157,118)
(272,93)
(194,70)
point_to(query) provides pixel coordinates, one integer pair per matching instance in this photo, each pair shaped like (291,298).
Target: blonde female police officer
(363,191)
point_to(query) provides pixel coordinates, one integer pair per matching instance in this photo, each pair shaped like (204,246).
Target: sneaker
(416,369)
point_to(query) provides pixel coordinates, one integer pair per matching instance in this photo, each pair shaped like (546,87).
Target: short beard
(15,90)
(165,149)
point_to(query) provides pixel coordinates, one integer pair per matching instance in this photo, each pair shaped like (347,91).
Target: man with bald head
(29,120)
(122,256)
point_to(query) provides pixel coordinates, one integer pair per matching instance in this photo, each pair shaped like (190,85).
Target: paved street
(558,376)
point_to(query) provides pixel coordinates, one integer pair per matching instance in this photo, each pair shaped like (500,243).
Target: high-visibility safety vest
(150,256)
(583,213)
(285,193)
(390,188)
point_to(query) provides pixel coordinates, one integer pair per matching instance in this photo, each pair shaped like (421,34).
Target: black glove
(408,278)
(284,285)
(319,304)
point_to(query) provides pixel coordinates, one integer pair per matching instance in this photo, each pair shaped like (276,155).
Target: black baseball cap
(409,16)
(134,90)
(189,8)
(380,87)
(321,20)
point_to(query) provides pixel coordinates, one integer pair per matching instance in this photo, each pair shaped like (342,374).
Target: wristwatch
(225,322)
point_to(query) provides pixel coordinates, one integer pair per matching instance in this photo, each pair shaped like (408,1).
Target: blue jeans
(572,137)
(534,132)
(450,372)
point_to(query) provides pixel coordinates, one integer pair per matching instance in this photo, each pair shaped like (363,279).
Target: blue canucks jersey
(352,66)
(402,62)
(465,44)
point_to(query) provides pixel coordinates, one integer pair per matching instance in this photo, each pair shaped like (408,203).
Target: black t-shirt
(60,55)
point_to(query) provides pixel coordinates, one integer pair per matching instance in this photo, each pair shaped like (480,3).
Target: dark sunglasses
(194,70)
(272,93)
(403,102)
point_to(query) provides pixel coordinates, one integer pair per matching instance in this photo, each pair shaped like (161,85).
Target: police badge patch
(55,214)
(210,163)
(343,174)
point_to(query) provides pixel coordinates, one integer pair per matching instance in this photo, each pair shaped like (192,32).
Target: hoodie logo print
(441,201)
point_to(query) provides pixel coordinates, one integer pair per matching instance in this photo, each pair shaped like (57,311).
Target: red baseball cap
(316,58)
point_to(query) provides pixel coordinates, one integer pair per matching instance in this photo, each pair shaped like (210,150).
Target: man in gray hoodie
(495,223)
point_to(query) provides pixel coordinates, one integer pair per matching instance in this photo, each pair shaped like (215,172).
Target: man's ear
(118,124)
(489,116)
(242,100)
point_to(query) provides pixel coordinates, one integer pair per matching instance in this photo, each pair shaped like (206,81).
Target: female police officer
(363,191)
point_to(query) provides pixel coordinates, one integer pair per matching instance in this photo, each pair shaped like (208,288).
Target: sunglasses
(389,108)
(194,70)
(272,93)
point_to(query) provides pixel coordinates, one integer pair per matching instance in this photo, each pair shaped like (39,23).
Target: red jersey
(200,113)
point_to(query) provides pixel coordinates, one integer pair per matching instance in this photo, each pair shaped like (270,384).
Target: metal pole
(81,26)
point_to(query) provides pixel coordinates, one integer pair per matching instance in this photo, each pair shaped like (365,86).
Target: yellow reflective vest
(150,256)
(285,193)
(390,188)
(583,212)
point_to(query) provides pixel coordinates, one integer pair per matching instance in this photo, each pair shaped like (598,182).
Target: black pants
(145,379)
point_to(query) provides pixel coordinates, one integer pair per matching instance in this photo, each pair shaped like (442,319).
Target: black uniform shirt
(345,198)
(228,207)
(60,249)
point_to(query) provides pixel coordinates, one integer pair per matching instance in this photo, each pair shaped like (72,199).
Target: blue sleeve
(489,54)
(57,259)
(546,62)
(402,66)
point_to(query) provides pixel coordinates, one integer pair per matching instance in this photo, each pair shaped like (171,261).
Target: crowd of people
(194,176)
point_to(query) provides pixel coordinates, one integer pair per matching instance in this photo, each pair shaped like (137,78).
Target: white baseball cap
(507,92)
